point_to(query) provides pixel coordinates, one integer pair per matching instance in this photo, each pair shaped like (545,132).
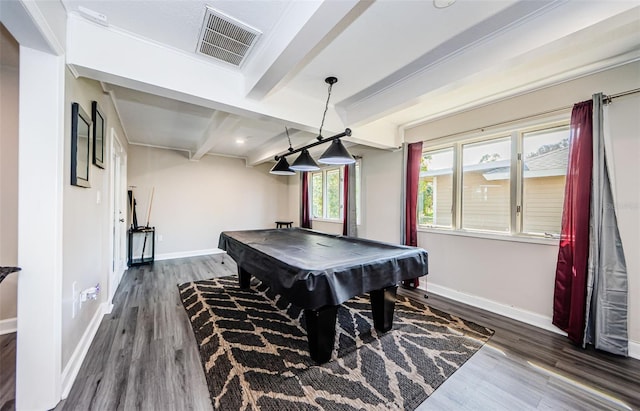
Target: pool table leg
(382,304)
(244,278)
(321,332)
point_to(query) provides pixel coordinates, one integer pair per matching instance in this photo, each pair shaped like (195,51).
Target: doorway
(118,184)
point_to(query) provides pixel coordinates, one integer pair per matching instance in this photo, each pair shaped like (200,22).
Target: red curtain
(345,194)
(305,213)
(571,270)
(414,156)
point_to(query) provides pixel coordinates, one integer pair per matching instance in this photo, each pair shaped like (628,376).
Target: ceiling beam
(479,49)
(96,52)
(276,146)
(220,126)
(318,26)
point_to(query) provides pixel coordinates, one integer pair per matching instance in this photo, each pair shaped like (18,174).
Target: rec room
(319,205)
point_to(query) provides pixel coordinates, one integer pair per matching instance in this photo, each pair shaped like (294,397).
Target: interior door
(118,235)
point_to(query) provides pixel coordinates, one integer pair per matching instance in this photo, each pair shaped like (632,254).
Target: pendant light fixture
(336,154)
(282,168)
(304,162)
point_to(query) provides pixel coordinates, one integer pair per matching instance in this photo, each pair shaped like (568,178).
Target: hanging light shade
(336,154)
(304,162)
(282,168)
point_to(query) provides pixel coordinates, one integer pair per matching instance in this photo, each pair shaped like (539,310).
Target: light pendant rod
(330,81)
(346,133)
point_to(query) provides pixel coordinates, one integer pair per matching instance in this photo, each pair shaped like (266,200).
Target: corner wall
(517,279)
(86,218)
(194,201)
(381,190)
(9,81)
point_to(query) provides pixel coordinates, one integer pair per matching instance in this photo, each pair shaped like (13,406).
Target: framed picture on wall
(80,146)
(99,125)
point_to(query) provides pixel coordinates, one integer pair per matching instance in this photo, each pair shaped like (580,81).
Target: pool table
(317,272)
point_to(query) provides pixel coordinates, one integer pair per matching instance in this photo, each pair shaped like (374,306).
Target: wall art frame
(81,127)
(99,133)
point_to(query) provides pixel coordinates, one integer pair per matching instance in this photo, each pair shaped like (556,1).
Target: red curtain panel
(414,155)
(305,214)
(571,269)
(345,209)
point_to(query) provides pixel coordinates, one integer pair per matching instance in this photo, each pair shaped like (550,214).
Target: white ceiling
(398,62)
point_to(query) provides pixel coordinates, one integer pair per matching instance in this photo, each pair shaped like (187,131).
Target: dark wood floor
(144,357)
(7,371)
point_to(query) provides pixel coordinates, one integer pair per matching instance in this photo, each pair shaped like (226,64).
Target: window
(486,188)
(334,193)
(510,183)
(435,190)
(317,191)
(327,191)
(544,169)
(358,192)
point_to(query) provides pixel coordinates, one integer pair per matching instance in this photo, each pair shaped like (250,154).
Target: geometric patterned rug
(254,352)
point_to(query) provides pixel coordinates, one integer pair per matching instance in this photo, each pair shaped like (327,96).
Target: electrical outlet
(90,293)
(160,238)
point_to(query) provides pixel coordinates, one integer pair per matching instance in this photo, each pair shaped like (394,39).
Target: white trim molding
(184,254)
(527,317)
(634,349)
(515,313)
(70,371)
(8,326)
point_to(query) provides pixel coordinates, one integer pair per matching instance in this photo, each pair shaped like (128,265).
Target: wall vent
(225,38)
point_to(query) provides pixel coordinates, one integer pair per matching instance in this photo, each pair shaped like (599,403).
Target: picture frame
(80,146)
(99,129)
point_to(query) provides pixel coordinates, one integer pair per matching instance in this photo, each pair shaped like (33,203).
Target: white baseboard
(73,366)
(634,350)
(183,254)
(8,326)
(518,314)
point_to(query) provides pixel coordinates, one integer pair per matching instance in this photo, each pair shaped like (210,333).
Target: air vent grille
(226,39)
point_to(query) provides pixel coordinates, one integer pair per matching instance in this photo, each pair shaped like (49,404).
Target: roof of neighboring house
(552,160)
(552,163)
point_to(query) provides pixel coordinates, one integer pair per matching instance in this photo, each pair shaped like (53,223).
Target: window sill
(491,236)
(326,220)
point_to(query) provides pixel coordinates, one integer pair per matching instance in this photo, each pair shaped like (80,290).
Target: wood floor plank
(7,371)
(144,357)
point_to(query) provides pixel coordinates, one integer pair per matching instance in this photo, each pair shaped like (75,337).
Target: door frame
(117,266)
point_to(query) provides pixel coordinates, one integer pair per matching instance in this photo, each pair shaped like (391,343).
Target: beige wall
(9,76)
(195,200)
(381,173)
(562,96)
(519,277)
(86,218)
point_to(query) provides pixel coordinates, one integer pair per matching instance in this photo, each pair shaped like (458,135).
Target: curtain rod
(503,123)
(607,99)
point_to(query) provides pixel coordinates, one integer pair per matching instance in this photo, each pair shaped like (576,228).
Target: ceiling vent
(225,38)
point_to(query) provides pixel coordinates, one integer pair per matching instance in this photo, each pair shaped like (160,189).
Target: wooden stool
(284,224)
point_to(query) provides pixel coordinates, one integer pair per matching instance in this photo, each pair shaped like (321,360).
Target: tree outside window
(435,188)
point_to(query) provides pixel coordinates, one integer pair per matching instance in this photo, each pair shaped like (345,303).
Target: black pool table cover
(313,269)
